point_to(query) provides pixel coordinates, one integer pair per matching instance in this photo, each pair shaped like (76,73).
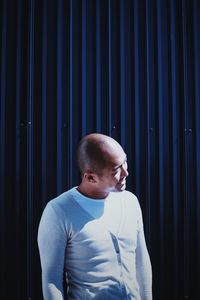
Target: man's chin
(120,187)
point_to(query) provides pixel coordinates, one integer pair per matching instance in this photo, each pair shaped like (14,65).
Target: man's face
(113,178)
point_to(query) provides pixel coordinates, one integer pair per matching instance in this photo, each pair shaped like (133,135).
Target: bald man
(91,238)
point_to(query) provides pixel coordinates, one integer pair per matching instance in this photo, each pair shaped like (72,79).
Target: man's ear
(90,177)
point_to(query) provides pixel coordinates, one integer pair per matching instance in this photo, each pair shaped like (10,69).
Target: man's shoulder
(129,195)
(61,208)
(62,200)
(131,199)
(125,196)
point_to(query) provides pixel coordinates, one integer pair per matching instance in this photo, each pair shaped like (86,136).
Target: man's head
(102,163)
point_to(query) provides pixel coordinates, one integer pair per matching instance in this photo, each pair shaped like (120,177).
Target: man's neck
(91,193)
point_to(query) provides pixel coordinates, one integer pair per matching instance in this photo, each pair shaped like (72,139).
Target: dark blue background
(129,69)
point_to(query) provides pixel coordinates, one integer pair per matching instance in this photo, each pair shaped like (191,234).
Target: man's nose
(124,170)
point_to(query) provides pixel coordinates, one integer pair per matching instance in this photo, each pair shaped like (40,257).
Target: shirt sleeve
(52,244)
(143,264)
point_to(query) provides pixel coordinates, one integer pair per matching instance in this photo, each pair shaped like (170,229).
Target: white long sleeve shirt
(98,245)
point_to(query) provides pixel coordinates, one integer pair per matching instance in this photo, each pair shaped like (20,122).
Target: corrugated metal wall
(130,69)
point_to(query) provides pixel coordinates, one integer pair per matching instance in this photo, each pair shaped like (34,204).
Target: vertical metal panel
(161,19)
(129,69)
(44,104)
(189,190)
(150,73)
(59,95)
(88,17)
(123,57)
(70,149)
(75,102)
(176,152)
(196,24)
(84,67)
(125,117)
(136,115)
(18,161)
(3,133)
(98,65)
(110,67)
(30,128)
(105,65)
(186,161)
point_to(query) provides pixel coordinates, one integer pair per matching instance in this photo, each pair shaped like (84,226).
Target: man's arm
(143,264)
(52,245)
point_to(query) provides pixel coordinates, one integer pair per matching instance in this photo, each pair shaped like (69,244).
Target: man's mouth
(122,182)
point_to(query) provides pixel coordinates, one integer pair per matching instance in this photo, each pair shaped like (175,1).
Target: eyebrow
(117,167)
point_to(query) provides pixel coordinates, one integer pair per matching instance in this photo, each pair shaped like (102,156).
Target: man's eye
(115,172)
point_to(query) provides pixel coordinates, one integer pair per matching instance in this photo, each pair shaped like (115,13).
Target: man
(92,235)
